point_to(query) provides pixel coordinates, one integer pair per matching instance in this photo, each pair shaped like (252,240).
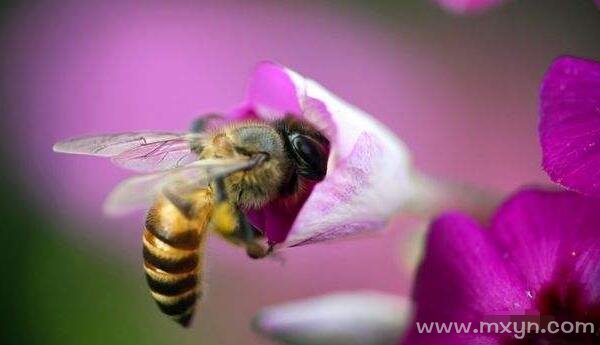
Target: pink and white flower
(368,177)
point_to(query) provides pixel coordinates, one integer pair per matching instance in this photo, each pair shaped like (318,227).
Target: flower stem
(433,196)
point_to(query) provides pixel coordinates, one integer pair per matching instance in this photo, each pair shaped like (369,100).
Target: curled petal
(570,124)
(348,201)
(271,90)
(368,177)
(356,318)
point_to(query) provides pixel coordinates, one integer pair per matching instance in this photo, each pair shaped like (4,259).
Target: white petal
(353,318)
(369,178)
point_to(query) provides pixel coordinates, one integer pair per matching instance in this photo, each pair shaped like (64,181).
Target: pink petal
(468,6)
(456,249)
(538,239)
(272,89)
(570,124)
(463,278)
(365,160)
(551,237)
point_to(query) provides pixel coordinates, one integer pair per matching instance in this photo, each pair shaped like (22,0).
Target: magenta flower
(540,257)
(570,124)
(468,6)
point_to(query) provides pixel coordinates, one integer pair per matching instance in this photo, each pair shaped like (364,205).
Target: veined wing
(140,191)
(161,155)
(139,151)
(110,145)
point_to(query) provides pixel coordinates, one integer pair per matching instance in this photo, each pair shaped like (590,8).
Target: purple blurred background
(460,91)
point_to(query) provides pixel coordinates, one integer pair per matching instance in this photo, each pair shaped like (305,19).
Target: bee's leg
(204,122)
(251,237)
(225,219)
(231,223)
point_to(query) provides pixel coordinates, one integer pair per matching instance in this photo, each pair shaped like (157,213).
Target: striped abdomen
(172,258)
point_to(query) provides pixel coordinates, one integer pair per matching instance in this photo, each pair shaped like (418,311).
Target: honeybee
(202,180)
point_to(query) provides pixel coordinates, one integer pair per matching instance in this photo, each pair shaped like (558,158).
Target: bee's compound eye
(312,156)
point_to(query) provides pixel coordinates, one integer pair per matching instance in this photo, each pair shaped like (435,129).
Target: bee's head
(290,149)
(255,187)
(308,148)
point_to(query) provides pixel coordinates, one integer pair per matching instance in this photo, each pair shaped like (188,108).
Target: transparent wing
(140,151)
(109,145)
(140,191)
(161,155)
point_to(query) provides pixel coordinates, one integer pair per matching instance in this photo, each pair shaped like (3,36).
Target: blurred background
(461,91)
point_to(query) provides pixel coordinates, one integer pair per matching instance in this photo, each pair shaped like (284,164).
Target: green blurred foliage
(55,292)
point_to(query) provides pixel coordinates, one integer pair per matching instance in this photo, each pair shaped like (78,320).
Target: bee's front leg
(252,238)
(248,236)
(244,234)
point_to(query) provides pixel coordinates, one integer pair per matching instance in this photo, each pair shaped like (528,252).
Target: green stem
(434,196)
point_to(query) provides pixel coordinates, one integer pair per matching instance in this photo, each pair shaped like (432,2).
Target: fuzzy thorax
(254,188)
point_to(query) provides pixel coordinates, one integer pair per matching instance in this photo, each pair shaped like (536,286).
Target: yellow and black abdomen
(173,244)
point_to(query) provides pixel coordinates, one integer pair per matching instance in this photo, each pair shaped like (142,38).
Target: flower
(468,6)
(365,160)
(539,259)
(344,318)
(569,126)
